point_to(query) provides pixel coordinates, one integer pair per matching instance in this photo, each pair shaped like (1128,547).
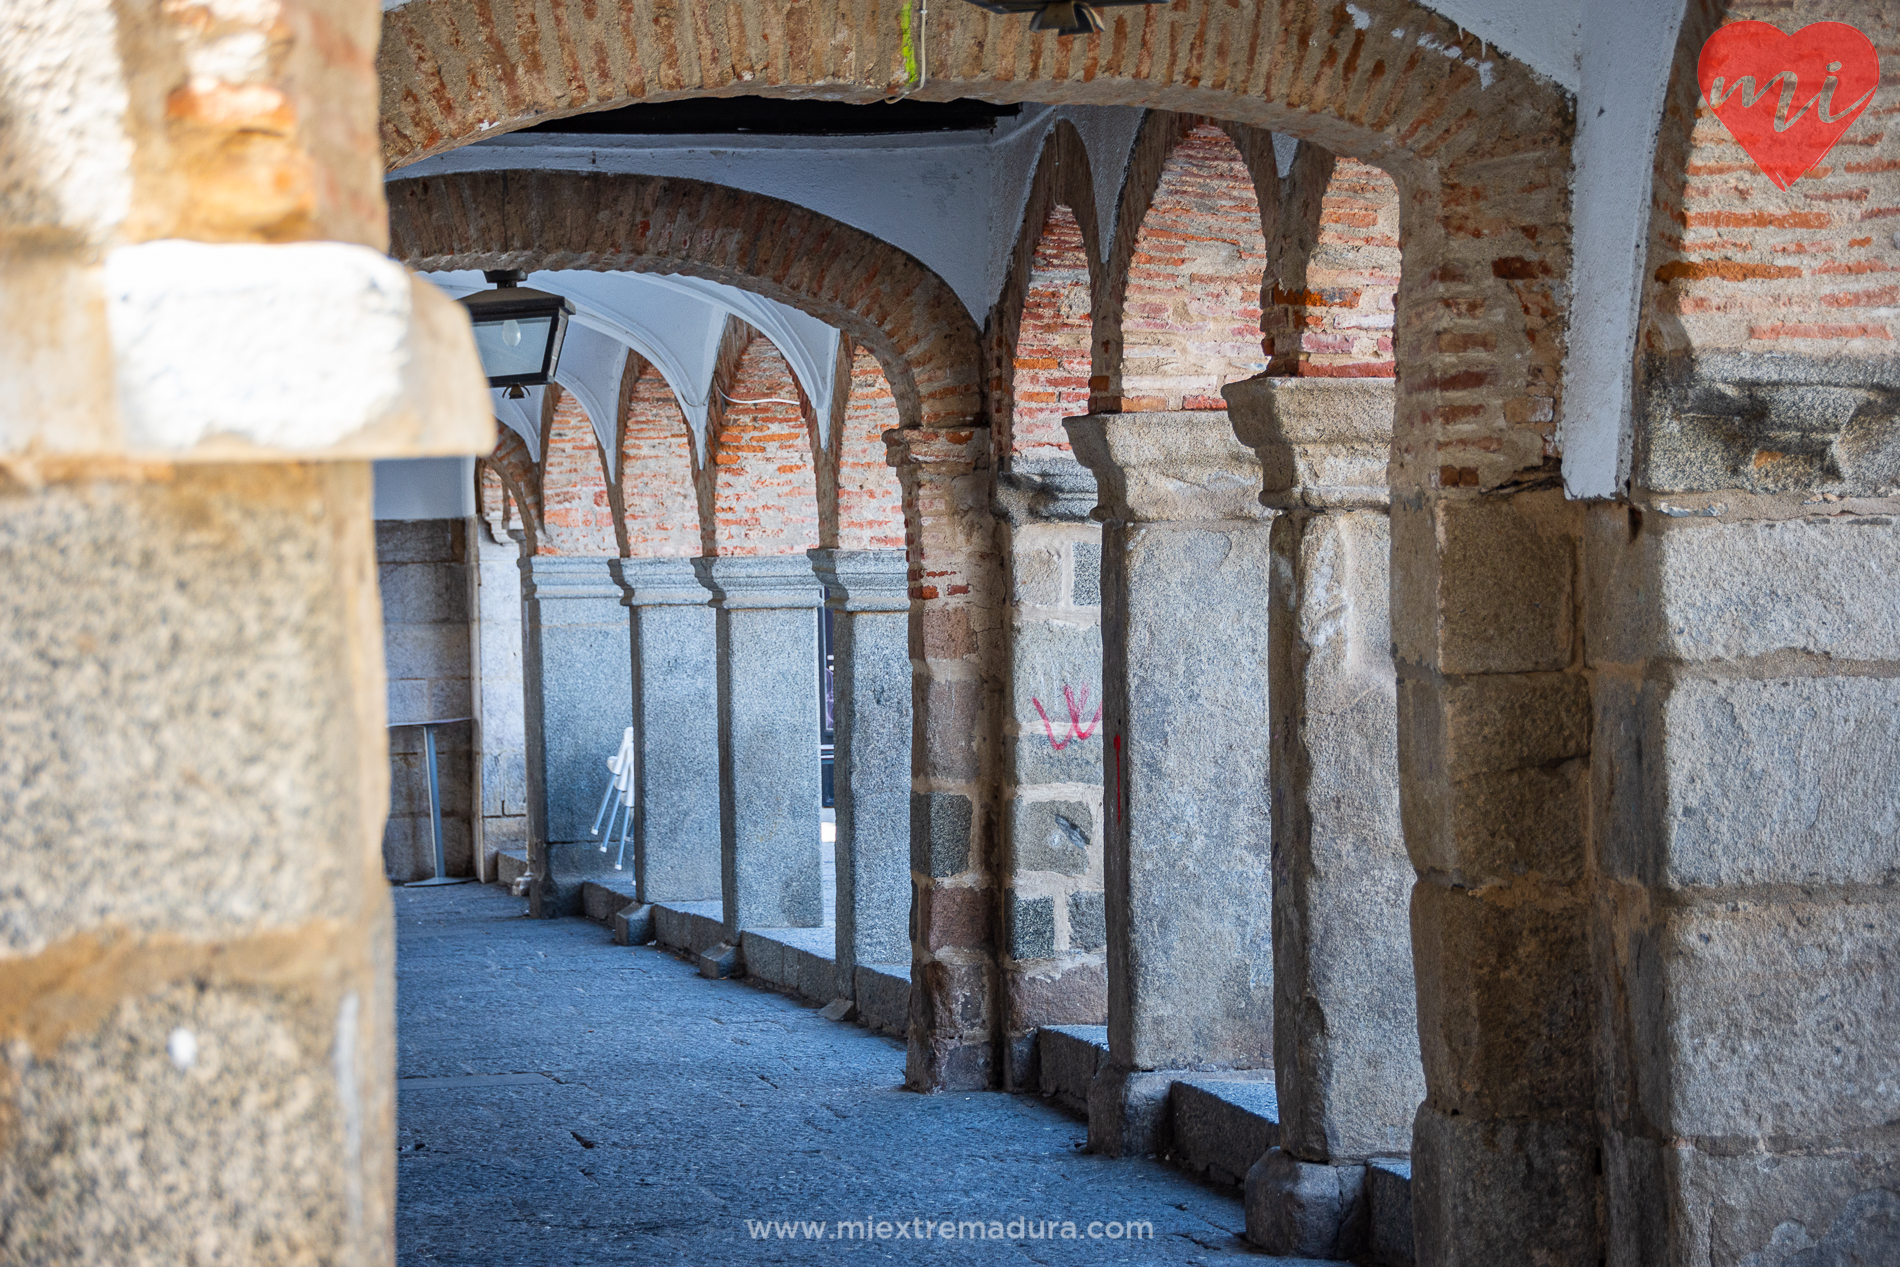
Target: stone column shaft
(1346,1056)
(868,592)
(579,700)
(675,730)
(771,875)
(1185,563)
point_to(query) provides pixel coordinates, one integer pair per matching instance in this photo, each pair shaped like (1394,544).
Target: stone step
(1223,1123)
(1070,1056)
(691,928)
(1389,1190)
(797,960)
(600,899)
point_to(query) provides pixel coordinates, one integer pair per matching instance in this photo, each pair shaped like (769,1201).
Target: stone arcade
(1357,544)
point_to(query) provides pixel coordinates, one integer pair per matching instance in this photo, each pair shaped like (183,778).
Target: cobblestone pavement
(582,1103)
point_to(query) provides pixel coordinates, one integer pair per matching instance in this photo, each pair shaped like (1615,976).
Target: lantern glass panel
(514,346)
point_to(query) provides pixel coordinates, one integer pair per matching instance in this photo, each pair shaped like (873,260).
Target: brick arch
(870,504)
(1332,279)
(883,298)
(761,472)
(1190,263)
(1062,187)
(658,503)
(577,512)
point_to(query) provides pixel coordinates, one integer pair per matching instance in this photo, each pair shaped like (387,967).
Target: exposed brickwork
(765,496)
(1191,306)
(1062,181)
(870,501)
(660,506)
(1053,344)
(1333,280)
(884,299)
(577,517)
(520,474)
(1735,262)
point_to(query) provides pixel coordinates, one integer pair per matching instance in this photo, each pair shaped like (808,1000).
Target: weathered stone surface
(1307,1209)
(1491,1190)
(1701,589)
(1389,1195)
(1505,1004)
(770,875)
(1224,1123)
(940,832)
(718,962)
(578,667)
(1809,1056)
(632,925)
(1052,664)
(676,730)
(688,927)
(1031,932)
(1076,994)
(1051,835)
(1345,1017)
(601,899)
(883,996)
(1086,589)
(1776,781)
(1500,585)
(1088,921)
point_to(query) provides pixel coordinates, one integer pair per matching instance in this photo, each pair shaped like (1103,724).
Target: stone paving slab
(677,1108)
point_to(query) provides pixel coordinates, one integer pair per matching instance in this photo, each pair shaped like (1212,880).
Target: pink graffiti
(1078,729)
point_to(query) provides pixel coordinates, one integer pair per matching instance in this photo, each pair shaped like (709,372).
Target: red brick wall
(656,473)
(1191,316)
(576,514)
(1335,275)
(1052,361)
(765,492)
(870,500)
(1736,263)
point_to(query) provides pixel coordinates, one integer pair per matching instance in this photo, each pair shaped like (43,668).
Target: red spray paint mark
(1078,729)
(1752,76)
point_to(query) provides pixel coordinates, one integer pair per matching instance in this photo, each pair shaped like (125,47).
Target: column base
(632,925)
(1499,1190)
(566,868)
(1304,1209)
(1128,1112)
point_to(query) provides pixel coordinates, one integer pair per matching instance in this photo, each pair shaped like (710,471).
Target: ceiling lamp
(1064,17)
(518,331)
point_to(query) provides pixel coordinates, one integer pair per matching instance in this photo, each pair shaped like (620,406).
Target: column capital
(659,583)
(767,581)
(1168,467)
(1040,490)
(1323,442)
(863,580)
(568,576)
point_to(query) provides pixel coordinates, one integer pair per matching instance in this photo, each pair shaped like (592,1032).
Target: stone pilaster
(1345,1009)
(1185,563)
(769,787)
(675,730)
(958,597)
(578,695)
(868,592)
(1054,956)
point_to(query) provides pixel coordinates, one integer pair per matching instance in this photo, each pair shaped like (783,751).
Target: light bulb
(511,333)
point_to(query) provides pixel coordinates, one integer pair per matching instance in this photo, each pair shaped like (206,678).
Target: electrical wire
(763,400)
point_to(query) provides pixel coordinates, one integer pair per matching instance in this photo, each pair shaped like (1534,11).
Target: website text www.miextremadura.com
(965,1229)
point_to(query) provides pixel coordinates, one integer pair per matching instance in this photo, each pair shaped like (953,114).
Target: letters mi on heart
(1788,98)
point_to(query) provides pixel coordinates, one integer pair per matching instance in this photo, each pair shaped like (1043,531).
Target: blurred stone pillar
(1345,1012)
(771,875)
(1185,564)
(868,592)
(672,630)
(579,700)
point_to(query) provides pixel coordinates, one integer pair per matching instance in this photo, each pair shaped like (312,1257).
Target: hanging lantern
(518,331)
(1064,17)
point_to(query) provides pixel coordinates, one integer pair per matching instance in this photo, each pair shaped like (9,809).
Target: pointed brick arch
(659,507)
(763,478)
(883,298)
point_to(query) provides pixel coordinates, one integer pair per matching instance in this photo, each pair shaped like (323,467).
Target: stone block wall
(1054,934)
(424,572)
